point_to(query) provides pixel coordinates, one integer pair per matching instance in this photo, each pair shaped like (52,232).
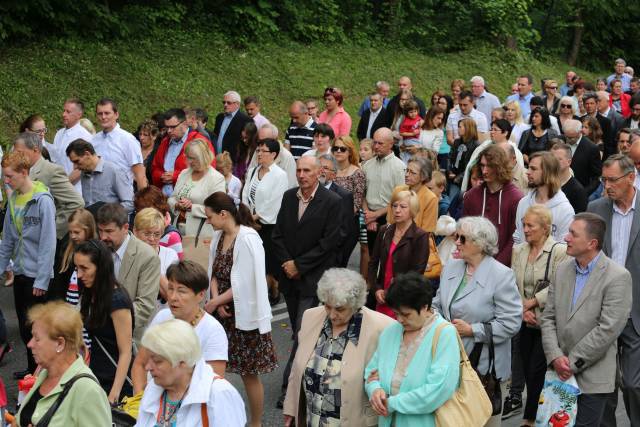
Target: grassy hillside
(196,69)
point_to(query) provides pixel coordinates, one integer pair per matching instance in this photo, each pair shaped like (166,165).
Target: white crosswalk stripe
(279,312)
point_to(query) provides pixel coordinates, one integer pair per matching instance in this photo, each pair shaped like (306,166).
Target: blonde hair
(438,178)
(223,161)
(175,341)
(516,107)
(354,156)
(542,214)
(17,161)
(148,218)
(60,321)
(86,123)
(414,203)
(84,219)
(200,148)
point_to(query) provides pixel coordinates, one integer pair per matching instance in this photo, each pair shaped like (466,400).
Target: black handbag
(489,379)
(544,283)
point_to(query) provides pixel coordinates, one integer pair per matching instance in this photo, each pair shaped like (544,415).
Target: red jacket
(157,165)
(624,103)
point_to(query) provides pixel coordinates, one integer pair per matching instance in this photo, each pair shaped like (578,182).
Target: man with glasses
(72,113)
(465,111)
(328,171)
(618,210)
(585,156)
(102,181)
(170,158)
(299,136)
(227,133)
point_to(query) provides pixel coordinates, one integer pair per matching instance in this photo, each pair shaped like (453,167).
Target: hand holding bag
(489,379)
(469,406)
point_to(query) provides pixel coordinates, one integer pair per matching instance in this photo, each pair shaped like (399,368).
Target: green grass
(195,69)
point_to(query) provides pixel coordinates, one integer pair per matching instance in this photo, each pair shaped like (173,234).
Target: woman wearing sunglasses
(566,111)
(476,289)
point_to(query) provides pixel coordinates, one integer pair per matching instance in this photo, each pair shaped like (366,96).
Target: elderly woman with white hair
(336,341)
(477,291)
(567,110)
(185,391)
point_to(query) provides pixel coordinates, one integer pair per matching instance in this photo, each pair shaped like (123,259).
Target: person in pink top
(334,115)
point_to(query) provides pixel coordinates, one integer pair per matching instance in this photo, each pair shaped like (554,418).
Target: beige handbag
(469,406)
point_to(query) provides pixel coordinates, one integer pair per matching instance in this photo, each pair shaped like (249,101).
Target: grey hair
(573,125)
(235,96)
(624,162)
(273,128)
(332,159)
(174,340)
(380,84)
(426,167)
(481,232)
(621,61)
(629,70)
(342,287)
(301,106)
(30,140)
(569,100)
(478,79)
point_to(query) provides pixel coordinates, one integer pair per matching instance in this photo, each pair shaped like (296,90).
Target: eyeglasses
(328,168)
(39,131)
(461,237)
(565,105)
(605,179)
(552,87)
(263,151)
(227,102)
(336,149)
(172,127)
(151,235)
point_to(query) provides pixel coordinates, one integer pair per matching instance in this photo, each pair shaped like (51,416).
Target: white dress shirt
(119,147)
(58,150)
(621,223)
(373,115)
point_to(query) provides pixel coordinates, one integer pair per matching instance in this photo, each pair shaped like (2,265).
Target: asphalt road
(281,332)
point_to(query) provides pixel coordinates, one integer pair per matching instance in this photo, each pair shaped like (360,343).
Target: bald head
(299,113)
(268,131)
(383,142)
(404,82)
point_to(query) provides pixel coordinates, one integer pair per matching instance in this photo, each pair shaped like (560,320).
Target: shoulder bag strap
(113,362)
(46,419)
(204,415)
(436,337)
(195,242)
(488,330)
(546,270)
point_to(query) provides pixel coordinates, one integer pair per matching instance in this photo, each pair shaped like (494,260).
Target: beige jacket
(519,257)
(356,410)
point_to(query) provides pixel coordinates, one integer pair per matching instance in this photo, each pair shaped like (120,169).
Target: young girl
(224,165)
(366,153)
(432,133)
(366,150)
(410,130)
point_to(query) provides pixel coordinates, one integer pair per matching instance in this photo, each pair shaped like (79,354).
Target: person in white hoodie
(544,180)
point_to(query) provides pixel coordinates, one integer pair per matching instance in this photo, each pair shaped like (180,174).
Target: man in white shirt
(485,101)
(116,145)
(72,130)
(466,110)
(253,106)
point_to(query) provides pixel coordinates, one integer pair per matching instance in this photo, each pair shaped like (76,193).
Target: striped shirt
(300,139)
(621,223)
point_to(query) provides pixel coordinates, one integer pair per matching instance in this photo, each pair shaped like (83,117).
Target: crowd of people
(145,264)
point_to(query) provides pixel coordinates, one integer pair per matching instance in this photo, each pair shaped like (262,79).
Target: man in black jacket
(404,83)
(585,162)
(227,133)
(570,185)
(373,118)
(305,240)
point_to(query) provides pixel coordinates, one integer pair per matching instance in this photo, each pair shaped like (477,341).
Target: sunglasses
(461,237)
(565,105)
(336,149)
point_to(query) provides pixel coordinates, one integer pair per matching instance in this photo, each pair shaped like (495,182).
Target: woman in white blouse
(262,192)
(432,134)
(194,185)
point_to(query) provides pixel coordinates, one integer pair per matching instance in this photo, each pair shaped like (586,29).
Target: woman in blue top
(404,383)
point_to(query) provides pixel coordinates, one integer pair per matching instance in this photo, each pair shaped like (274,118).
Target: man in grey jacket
(29,240)
(588,304)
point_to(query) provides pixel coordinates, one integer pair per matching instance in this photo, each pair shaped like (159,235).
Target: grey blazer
(587,334)
(140,275)
(490,297)
(604,208)
(65,196)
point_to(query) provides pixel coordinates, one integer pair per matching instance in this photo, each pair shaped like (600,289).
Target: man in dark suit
(590,102)
(348,230)
(404,82)
(227,133)
(585,161)
(616,119)
(621,244)
(305,239)
(373,118)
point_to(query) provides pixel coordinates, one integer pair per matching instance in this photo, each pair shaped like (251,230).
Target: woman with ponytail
(239,297)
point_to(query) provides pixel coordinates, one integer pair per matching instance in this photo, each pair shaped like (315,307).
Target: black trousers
(296,306)
(372,235)
(24,299)
(534,367)
(591,409)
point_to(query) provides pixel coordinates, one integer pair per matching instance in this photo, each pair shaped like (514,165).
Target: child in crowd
(233,185)
(410,130)
(445,230)
(366,150)
(437,185)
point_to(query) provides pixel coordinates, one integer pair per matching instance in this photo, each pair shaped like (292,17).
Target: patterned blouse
(322,383)
(356,184)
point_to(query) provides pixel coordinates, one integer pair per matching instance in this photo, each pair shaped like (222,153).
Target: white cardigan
(248,280)
(269,192)
(211,182)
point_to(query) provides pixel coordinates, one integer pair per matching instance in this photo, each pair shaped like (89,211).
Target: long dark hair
(245,151)
(220,201)
(95,303)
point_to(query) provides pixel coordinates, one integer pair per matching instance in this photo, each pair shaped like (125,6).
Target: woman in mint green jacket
(404,383)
